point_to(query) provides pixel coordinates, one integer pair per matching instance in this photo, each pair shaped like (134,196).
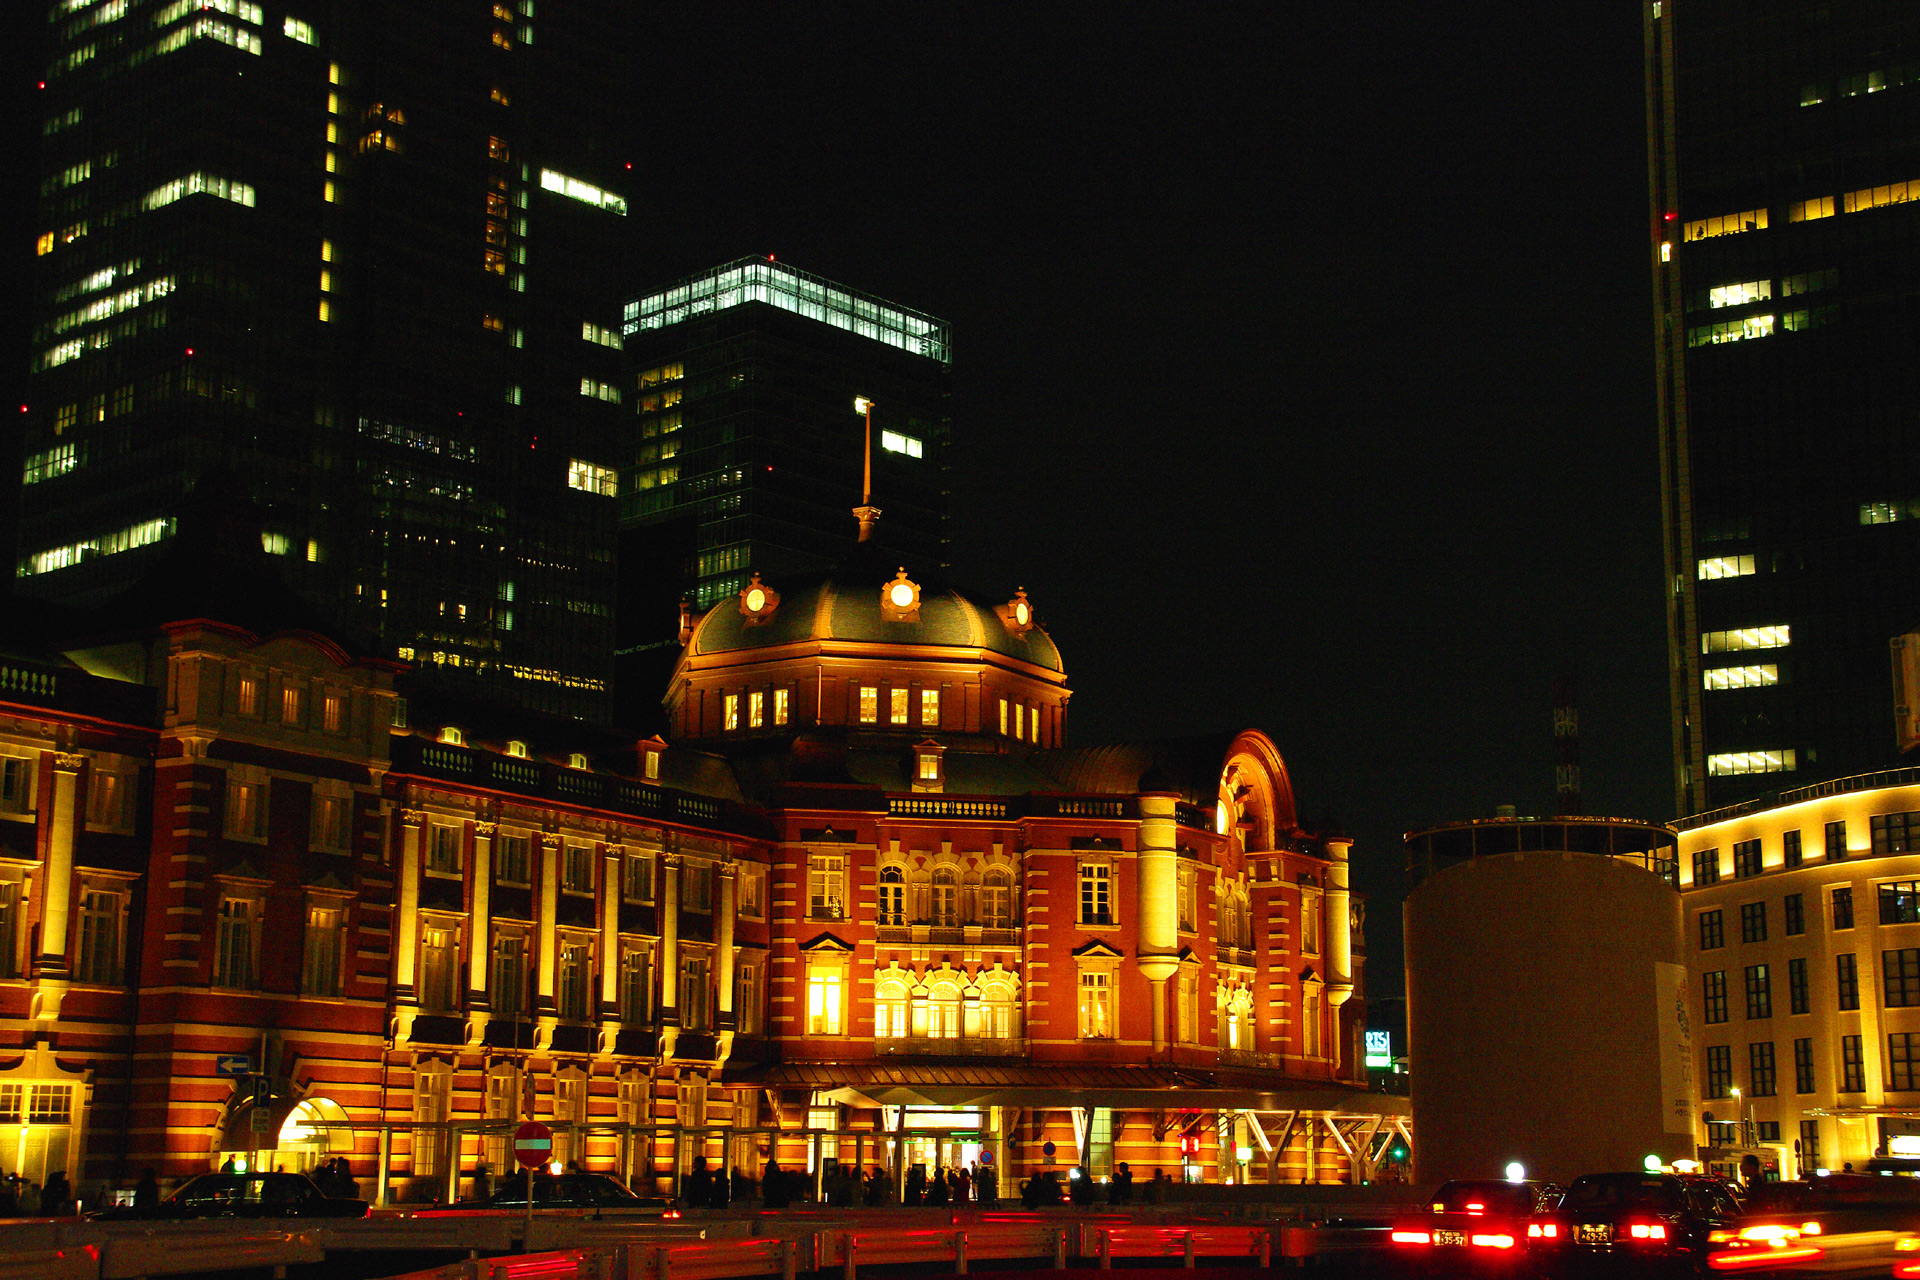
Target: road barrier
(76,1262)
(136,1257)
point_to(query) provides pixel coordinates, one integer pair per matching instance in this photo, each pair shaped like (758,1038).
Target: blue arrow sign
(233,1064)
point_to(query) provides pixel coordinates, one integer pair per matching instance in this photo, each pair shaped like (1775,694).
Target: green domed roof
(845,605)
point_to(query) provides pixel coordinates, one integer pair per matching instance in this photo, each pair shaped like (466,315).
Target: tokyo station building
(260,899)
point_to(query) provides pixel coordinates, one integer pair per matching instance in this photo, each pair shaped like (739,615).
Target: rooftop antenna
(866,512)
(1566,747)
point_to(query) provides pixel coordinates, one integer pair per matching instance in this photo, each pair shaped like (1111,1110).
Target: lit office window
(1725,567)
(1875,197)
(894,442)
(1730,331)
(730,712)
(1810,210)
(1727,224)
(301,31)
(592,332)
(590,477)
(600,390)
(930,708)
(869,704)
(1774,637)
(779,706)
(756,710)
(1753,677)
(1729,763)
(897,706)
(1732,295)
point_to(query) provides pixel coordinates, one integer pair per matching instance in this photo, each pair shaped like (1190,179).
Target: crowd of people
(23,1198)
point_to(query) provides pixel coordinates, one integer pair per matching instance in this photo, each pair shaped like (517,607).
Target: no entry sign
(532,1144)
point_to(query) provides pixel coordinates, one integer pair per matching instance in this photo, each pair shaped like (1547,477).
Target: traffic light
(1398,1150)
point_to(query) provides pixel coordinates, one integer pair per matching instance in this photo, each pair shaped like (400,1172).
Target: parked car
(590,1191)
(243,1195)
(1636,1222)
(1470,1227)
(1843,1222)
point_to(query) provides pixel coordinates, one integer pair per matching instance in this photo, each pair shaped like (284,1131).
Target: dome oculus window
(758,601)
(900,599)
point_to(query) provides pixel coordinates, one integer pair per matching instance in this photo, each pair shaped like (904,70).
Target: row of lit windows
(1860,83)
(899,704)
(665,373)
(1751,677)
(1729,763)
(1725,567)
(592,478)
(894,442)
(592,332)
(111,305)
(1017,720)
(1726,225)
(761,709)
(1775,637)
(600,390)
(1745,291)
(137,535)
(1889,512)
(1760,326)
(1809,210)
(49,463)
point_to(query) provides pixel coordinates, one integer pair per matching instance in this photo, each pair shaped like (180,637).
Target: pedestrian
(699,1188)
(1123,1185)
(986,1185)
(232,1165)
(937,1188)
(56,1197)
(29,1199)
(146,1192)
(773,1187)
(720,1194)
(917,1185)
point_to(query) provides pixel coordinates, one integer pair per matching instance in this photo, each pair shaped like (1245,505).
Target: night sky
(1302,354)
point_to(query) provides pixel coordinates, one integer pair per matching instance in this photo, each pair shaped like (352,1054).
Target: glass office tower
(1784,160)
(357,255)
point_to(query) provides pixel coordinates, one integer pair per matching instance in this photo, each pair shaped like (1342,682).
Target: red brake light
(1494,1241)
(1539,1230)
(1647,1231)
(1412,1237)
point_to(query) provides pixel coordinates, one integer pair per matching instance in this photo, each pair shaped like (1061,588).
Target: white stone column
(57,894)
(610,868)
(406,932)
(723,960)
(1339,925)
(669,953)
(1158,903)
(548,962)
(480,945)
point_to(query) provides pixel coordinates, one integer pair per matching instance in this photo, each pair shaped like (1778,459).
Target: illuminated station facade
(259,897)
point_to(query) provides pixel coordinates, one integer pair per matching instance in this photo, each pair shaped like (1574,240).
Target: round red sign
(533,1144)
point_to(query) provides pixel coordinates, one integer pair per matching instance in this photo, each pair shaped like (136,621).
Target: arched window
(890,1006)
(999,1014)
(943,1008)
(946,897)
(996,898)
(893,896)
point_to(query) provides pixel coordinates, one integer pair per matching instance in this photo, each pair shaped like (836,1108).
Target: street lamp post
(866,512)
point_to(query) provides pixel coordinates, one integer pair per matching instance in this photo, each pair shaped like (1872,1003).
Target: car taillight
(1647,1231)
(1413,1237)
(1543,1230)
(1491,1241)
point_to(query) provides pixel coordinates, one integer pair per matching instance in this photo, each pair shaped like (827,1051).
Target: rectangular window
(730,713)
(747,1002)
(1809,1143)
(1847,980)
(895,442)
(590,477)
(827,888)
(292,704)
(1895,832)
(1797,1001)
(1739,330)
(575,972)
(1713,996)
(1876,197)
(508,990)
(1853,1066)
(1753,922)
(1790,849)
(331,823)
(636,884)
(1733,763)
(1793,915)
(1746,859)
(504,1093)
(1187,1012)
(1096,890)
(756,710)
(1803,1065)
(1901,972)
(1706,866)
(869,704)
(1715,567)
(694,993)
(751,894)
(9,928)
(1759,991)
(513,858)
(779,706)
(1189,899)
(1760,1070)
(636,985)
(1811,210)
(321,966)
(439,967)
(1719,1070)
(1020,721)
(824,990)
(897,706)
(16,785)
(1843,907)
(432,1095)
(443,849)
(1900,902)
(235,944)
(1712,932)
(1837,841)
(1736,295)
(108,796)
(247,701)
(1727,224)
(247,810)
(930,708)
(1096,1005)
(696,886)
(576,868)
(99,938)
(1770,637)
(1004,721)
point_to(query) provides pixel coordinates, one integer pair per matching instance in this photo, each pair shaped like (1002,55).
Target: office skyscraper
(1784,158)
(359,256)
(745,449)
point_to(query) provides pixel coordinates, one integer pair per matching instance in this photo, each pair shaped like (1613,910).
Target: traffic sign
(1047,1147)
(233,1064)
(532,1144)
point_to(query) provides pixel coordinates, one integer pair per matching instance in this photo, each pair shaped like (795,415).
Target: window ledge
(513,884)
(444,875)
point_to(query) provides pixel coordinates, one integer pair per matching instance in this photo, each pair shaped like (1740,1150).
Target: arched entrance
(308,1135)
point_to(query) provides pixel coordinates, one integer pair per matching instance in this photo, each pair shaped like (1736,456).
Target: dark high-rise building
(745,449)
(1784,156)
(357,255)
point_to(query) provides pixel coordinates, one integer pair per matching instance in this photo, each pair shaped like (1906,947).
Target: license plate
(1594,1232)
(1450,1237)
